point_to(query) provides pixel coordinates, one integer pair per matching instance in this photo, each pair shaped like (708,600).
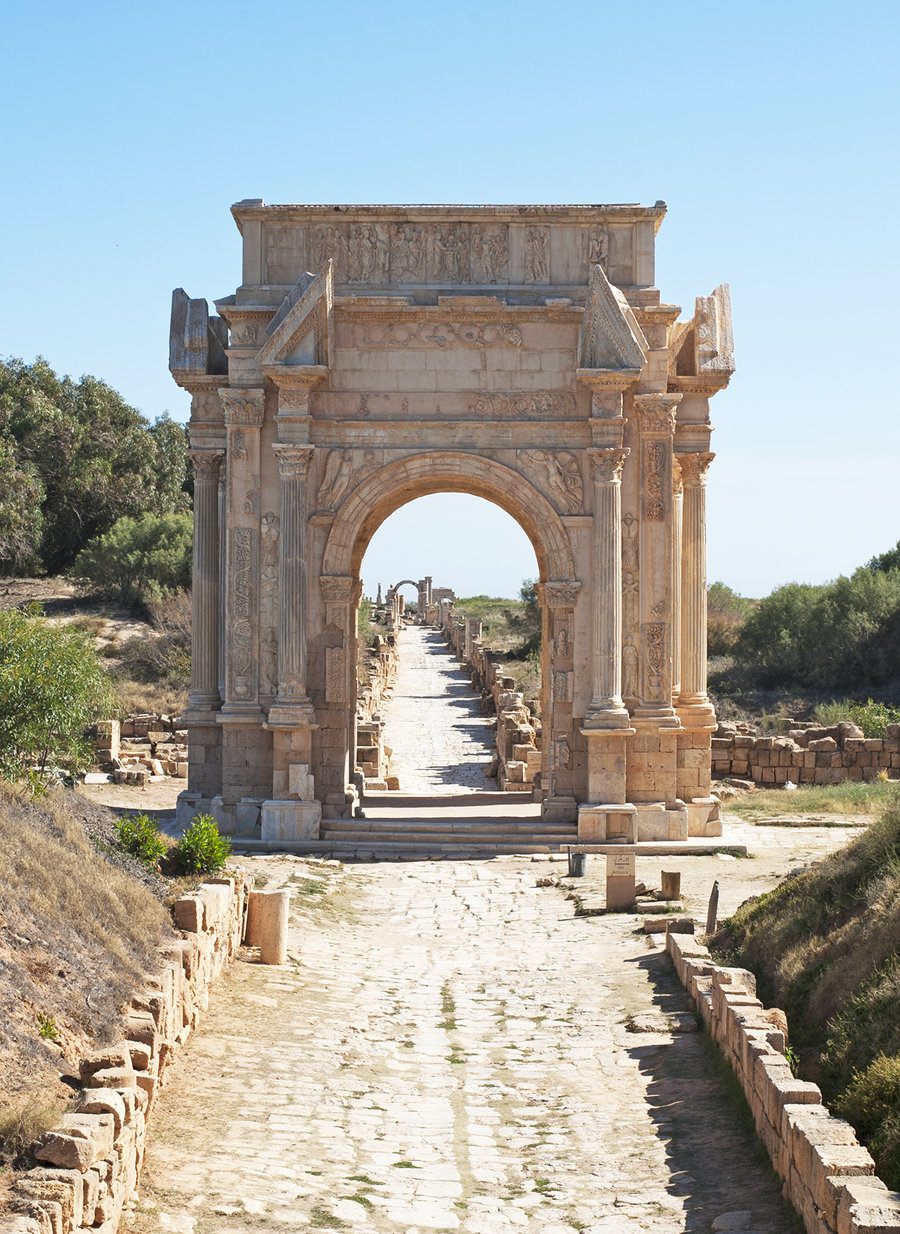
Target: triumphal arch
(373,354)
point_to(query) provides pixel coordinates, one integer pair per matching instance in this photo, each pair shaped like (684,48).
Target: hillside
(825,947)
(79,925)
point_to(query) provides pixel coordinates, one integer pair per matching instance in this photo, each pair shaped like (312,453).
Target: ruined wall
(806,756)
(93,1157)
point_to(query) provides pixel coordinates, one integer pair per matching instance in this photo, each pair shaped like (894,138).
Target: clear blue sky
(770,130)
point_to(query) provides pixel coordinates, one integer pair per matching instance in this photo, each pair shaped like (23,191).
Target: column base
(612,823)
(651,716)
(293,714)
(607,714)
(559,810)
(291,820)
(696,711)
(240,713)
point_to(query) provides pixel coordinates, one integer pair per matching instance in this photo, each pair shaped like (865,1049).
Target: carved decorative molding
(514,403)
(561,594)
(656,413)
(655,642)
(655,455)
(206,464)
(563,686)
(694,468)
(557,474)
(337,588)
(444,334)
(243,407)
(610,335)
(335,675)
(293,461)
(243,542)
(607,465)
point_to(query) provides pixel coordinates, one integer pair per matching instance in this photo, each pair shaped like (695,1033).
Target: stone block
(78,1141)
(291,820)
(189,913)
(865,1206)
(824,745)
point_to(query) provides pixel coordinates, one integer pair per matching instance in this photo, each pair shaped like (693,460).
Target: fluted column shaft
(204,694)
(694,468)
(677,550)
(293,466)
(606,709)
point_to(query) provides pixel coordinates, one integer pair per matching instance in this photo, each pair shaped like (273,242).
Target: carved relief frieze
(630,601)
(558,475)
(445,334)
(204,406)
(561,753)
(523,406)
(630,668)
(630,532)
(243,407)
(597,242)
(654,500)
(655,643)
(561,649)
(537,255)
(563,686)
(245,334)
(490,254)
(335,675)
(243,545)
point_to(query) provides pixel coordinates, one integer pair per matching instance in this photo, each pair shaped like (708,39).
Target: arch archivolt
(419,475)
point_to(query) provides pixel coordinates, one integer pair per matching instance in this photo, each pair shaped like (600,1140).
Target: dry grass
(77,935)
(850,798)
(156,698)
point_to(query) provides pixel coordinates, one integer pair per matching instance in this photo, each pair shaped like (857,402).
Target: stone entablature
(377,354)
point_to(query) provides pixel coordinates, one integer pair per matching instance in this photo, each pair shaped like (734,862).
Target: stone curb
(828,1177)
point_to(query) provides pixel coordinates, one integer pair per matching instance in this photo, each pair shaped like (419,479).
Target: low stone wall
(806,756)
(828,1176)
(93,1158)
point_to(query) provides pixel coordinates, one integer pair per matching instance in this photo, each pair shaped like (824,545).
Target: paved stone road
(449,1053)
(442,740)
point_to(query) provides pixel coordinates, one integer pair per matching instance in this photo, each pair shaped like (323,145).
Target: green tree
(886,561)
(89,457)
(140,560)
(726,612)
(51,688)
(21,519)
(525,621)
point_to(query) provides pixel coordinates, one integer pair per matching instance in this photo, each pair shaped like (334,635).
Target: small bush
(140,837)
(201,850)
(873,718)
(726,612)
(872,1104)
(140,560)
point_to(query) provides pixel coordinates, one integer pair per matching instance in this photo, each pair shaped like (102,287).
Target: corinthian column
(606,710)
(292,708)
(204,694)
(694,706)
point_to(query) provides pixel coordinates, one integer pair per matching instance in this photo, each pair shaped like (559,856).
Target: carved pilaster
(656,415)
(677,518)
(606,709)
(292,707)
(694,705)
(243,412)
(204,694)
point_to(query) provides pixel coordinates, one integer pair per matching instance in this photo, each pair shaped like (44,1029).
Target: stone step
(483,826)
(457,850)
(444,838)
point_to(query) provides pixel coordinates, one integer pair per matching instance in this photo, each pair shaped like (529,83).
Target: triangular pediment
(301,332)
(611,338)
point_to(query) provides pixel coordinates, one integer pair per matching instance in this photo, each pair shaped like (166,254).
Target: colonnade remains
(372,355)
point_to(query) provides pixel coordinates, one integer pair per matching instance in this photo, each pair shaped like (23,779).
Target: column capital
(206,463)
(656,412)
(293,461)
(243,407)
(607,464)
(694,468)
(560,594)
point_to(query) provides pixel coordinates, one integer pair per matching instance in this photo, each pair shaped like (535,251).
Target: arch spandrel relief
(505,352)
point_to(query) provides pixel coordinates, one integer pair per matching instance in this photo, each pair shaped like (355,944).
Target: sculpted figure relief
(629,670)
(336,481)
(629,542)
(537,255)
(558,475)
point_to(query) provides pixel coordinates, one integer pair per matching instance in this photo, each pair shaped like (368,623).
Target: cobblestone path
(442,740)
(450,1052)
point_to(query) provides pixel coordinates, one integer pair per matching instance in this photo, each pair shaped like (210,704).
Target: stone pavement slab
(449,1051)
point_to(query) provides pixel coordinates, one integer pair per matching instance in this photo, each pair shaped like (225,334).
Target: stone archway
(521,354)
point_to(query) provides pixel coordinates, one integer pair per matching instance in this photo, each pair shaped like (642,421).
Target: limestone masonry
(374,354)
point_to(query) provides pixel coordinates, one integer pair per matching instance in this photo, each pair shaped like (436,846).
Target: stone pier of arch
(373,355)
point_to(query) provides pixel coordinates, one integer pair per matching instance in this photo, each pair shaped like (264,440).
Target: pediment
(302,333)
(611,338)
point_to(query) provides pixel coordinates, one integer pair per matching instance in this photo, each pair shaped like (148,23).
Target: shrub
(166,656)
(873,718)
(52,688)
(872,1104)
(726,612)
(201,850)
(140,837)
(139,560)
